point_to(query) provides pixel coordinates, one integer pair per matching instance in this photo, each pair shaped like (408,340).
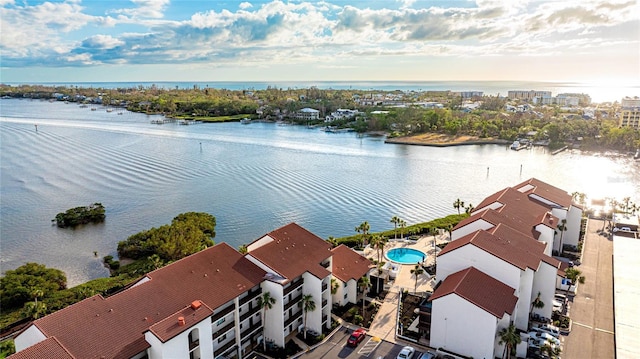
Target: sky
(585,41)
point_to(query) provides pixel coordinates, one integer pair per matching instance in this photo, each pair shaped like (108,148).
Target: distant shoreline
(440,140)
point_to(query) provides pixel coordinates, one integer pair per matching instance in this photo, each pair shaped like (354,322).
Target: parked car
(428,355)
(535,343)
(356,337)
(406,353)
(544,336)
(547,328)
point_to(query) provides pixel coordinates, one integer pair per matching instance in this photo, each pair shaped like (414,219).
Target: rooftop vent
(181,321)
(196,304)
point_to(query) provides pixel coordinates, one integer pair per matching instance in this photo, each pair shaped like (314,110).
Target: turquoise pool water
(406,255)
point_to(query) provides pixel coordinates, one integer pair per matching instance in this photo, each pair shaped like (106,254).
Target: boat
(518,145)
(245,121)
(637,155)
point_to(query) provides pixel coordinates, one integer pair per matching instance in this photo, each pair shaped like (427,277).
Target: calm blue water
(252,178)
(406,255)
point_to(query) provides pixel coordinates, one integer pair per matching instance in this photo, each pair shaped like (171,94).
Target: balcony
(248,331)
(251,295)
(324,303)
(194,344)
(293,318)
(293,285)
(326,264)
(324,318)
(223,330)
(224,348)
(249,313)
(222,313)
(324,286)
(292,302)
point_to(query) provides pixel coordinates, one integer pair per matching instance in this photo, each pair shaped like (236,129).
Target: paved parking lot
(370,347)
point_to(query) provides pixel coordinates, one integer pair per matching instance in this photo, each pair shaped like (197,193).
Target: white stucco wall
(470,228)
(32,335)
(470,255)
(501,324)
(547,235)
(521,313)
(544,282)
(462,327)
(574,220)
(274,319)
(313,286)
(178,346)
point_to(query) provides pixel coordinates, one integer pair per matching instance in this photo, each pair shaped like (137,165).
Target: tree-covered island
(94,213)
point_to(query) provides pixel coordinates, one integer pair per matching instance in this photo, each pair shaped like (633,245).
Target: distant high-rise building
(528,95)
(630,112)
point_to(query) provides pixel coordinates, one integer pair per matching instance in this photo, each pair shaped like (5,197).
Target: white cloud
(151,9)
(333,34)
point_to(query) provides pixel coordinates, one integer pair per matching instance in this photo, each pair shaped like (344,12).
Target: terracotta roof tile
(293,251)
(548,192)
(495,217)
(347,264)
(172,326)
(49,348)
(114,327)
(480,289)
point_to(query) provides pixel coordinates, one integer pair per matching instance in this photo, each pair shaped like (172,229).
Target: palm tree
(510,338)
(37,293)
(364,283)
(243,249)
(333,241)
(378,242)
(395,220)
(468,209)
(562,227)
(334,286)
(416,272)
(364,229)
(458,204)
(574,276)
(308,305)
(551,352)
(402,224)
(265,302)
(537,304)
(34,310)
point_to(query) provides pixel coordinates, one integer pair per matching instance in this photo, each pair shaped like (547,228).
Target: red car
(356,337)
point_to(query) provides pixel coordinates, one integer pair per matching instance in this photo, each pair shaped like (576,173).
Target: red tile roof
(548,192)
(293,251)
(49,348)
(347,264)
(171,326)
(494,217)
(505,249)
(479,289)
(114,327)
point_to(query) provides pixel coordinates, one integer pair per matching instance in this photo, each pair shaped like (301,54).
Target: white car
(545,337)
(547,328)
(406,353)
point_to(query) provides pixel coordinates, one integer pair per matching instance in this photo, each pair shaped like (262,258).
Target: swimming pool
(405,255)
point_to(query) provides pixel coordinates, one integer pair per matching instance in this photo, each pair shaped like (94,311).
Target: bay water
(253,178)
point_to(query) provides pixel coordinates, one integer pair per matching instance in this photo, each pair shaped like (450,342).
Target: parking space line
(369,346)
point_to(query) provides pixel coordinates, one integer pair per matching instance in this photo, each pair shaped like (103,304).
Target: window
(345,296)
(220,321)
(222,337)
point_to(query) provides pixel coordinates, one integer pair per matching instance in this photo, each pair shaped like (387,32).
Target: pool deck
(383,325)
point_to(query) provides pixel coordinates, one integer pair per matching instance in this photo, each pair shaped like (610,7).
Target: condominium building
(202,306)
(630,112)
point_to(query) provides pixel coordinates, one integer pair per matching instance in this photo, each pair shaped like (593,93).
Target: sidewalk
(384,324)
